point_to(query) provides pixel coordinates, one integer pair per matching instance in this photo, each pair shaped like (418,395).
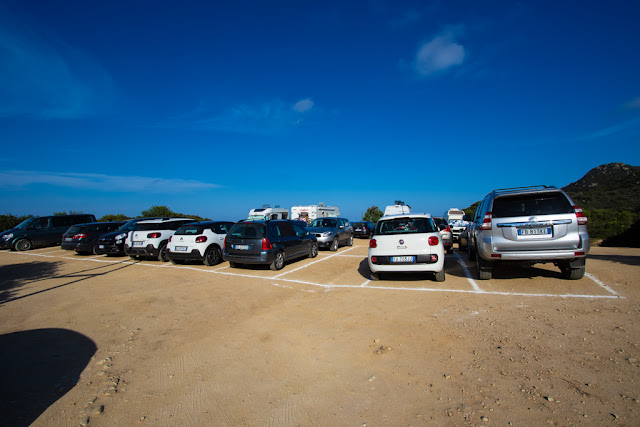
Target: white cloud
(438,55)
(303,105)
(18,179)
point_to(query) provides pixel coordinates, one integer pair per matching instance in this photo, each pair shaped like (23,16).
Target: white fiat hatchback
(406,243)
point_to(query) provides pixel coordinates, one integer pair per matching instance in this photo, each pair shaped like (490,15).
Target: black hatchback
(112,243)
(83,238)
(363,229)
(268,242)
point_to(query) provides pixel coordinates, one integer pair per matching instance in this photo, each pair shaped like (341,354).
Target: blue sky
(214,108)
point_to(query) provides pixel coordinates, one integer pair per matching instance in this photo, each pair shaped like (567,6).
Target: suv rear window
(405,226)
(531,205)
(248,231)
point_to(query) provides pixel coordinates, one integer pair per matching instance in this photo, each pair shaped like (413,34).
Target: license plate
(100,246)
(180,248)
(138,243)
(358,229)
(68,239)
(402,259)
(534,231)
(241,247)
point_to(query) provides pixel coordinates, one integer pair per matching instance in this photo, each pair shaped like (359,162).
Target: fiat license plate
(402,259)
(534,231)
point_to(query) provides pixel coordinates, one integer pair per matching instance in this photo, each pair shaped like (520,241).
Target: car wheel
(95,250)
(573,273)
(23,245)
(350,241)
(212,256)
(439,276)
(163,254)
(278,262)
(233,264)
(313,251)
(483,273)
(375,276)
(334,245)
(450,250)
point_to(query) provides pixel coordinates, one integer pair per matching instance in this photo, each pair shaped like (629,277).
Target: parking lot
(318,342)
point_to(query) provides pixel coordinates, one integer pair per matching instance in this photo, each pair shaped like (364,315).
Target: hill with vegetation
(609,195)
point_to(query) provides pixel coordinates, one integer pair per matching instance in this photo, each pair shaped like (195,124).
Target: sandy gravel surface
(102,341)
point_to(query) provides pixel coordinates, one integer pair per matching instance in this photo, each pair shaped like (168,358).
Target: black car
(41,231)
(113,243)
(83,238)
(363,229)
(268,242)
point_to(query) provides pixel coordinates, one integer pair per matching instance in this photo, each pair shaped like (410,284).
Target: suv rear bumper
(537,256)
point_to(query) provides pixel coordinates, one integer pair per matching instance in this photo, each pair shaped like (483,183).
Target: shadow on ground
(622,259)
(14,276)
(39,366)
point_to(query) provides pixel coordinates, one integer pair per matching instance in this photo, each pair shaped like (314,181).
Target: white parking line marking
(473,283)
(311,263)
(608,289)
(391,288)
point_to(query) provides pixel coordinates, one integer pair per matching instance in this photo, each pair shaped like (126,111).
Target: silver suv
(537,224)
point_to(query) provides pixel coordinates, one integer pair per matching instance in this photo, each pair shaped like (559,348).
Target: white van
(311,212)
(455,219)
(397,209)
(266,213)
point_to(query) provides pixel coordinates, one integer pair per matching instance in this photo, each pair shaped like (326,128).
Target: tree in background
(159,211)
(9,221)
(112,217)
(372,214)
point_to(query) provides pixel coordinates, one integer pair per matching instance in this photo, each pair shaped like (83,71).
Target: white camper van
(266,213)
(396,209)
(311,212)
(455,219)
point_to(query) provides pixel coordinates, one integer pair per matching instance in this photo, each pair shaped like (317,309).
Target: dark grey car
(268,242)
(332,232)
(41,231)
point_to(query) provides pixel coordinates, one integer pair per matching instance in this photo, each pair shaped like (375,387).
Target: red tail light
(582,220)
(201,239)
(448,229)
(153,235)
(225,242)
(433,241)
(80,236)
(486,222)
(266,244)
(373,243)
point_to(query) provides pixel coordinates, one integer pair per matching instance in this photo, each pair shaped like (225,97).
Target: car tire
(483,272)
(375,276)
(212,256)
(450,250)
(574,273)
(233,264)
(163,253)
(313,251)
(439,276)
(471,252)
(334,245)
(95,250)
(278,262)
(23,245)
(350,241)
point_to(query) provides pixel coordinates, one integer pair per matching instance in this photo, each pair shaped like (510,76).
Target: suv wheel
(484,273)
(212,256)
(313,251)
(569,273)
(22,245)
(162,254)
(278,263)
(471,251)
(439,276)
(334,245)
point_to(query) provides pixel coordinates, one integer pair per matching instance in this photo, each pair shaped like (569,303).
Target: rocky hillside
(612,186)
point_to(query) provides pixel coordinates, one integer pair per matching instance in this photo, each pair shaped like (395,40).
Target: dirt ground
(103,341)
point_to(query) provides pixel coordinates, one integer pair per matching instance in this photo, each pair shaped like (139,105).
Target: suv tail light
(582,220)
(201,239)
(373,243)
(486,222)
(433,241)
(266,244)
(153,235)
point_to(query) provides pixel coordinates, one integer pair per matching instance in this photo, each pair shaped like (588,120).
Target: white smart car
(406,243)
(199,241)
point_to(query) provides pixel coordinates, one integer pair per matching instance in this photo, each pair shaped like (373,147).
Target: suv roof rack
(529,187)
